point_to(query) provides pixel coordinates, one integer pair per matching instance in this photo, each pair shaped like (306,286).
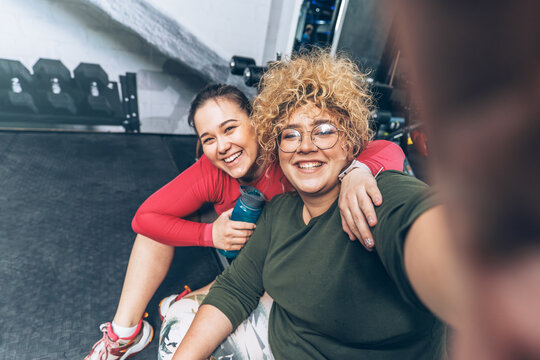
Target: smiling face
(314,172)
(228,139)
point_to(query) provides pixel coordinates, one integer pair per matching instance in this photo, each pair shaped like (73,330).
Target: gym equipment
(15,88)
(101,97)
(54,88)
(239,63)
(253,74)
(130,103)
(51,96)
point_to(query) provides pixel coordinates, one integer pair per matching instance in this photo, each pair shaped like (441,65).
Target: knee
(175,325)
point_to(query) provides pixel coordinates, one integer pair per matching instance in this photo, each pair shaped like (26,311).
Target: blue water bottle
(248,208)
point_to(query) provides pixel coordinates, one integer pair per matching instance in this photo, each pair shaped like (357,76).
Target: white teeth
(310,165)
(232,157)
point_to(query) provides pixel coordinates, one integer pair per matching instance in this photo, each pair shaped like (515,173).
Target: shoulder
(395,182)
(404,196)
(209,172)
(206,164)
(207,181)
(282,201)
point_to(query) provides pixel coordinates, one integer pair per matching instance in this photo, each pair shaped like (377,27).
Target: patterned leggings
(248,341)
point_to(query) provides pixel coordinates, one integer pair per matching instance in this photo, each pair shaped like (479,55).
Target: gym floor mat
(66,204)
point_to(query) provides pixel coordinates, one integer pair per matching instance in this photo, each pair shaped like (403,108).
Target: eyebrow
(313,123)
(223,124)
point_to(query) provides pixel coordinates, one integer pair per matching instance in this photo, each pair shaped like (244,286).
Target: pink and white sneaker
(112,347)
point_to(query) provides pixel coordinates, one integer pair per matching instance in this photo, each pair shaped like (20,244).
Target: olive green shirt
(332,298)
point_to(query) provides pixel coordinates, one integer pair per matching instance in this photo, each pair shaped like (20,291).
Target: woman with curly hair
(331,298)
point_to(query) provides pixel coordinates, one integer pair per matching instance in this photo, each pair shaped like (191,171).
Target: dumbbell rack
(50,96)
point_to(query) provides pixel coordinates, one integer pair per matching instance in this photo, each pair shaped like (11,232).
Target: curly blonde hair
(332,83)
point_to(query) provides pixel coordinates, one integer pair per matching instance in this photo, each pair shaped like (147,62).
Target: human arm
(201,339)
(415,247)
(162,216)
(231,299)
(433,267)
(229,234)
(359,189)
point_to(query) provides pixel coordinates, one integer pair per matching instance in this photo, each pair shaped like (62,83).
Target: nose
(223,144)
(306,144)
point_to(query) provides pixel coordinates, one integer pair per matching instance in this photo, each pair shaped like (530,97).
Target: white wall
(75,32)
(253,28)
(281,28)
(229,27)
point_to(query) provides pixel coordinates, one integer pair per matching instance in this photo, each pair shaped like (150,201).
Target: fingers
(364,210)
(347,219)
(359,228)
(363,232)
(230,235)
(235,243)
(347,229)
(353,211)
(240,234)
(234,247)
(374,193)
(240,225)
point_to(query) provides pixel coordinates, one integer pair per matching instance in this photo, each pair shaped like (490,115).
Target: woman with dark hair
(220,115)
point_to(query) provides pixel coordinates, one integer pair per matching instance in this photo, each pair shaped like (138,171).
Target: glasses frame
(311,138)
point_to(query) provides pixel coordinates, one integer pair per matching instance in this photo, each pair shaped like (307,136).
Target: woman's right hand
(230,235)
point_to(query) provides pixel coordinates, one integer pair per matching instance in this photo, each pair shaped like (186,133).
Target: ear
(350,155)
(349,149)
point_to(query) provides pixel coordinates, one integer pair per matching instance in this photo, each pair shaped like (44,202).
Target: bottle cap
(251,197)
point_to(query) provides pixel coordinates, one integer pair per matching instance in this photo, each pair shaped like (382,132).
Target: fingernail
(377,200)
(369,242)
(370,220)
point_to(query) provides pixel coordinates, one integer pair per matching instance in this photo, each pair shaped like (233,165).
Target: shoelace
(108,343)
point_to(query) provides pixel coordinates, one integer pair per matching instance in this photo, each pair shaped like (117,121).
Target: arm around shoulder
(382,154)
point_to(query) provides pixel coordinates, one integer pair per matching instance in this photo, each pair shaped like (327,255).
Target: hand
(358,190)
(230,235)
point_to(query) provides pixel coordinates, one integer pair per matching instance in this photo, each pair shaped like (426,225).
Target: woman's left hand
(359,192)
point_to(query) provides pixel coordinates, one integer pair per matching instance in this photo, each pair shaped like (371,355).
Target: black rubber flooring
(66,204)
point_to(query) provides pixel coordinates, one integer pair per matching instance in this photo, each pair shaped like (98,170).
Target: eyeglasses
(323,136)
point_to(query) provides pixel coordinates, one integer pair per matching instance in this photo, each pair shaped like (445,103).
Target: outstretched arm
(359,191)
(417,248)
(433,267)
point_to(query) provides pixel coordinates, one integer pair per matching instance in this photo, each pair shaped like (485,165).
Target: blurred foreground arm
(433,267)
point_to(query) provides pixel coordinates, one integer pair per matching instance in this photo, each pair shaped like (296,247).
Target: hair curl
(332,83)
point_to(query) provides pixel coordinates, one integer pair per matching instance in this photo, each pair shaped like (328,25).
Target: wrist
(208,238)
(354,165)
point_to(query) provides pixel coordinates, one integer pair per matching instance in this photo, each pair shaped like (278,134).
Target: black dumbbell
(16,93)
